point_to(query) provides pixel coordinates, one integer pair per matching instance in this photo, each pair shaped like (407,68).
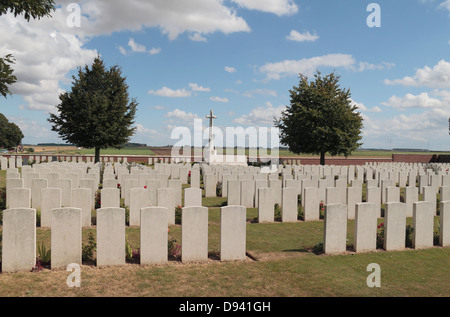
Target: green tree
(10,133)
(320,118)
(35,9)
(7,77)
(97,112)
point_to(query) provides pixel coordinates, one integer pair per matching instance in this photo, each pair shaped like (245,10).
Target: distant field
(166,151)
(65,150)
(283,153)
(52,149)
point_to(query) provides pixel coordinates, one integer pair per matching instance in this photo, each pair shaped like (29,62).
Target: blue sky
(240,58)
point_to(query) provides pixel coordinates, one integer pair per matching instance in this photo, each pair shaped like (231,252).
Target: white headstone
(194,234)
(65,237)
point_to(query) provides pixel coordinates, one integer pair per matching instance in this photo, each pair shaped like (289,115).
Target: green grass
(284,267)
(2,179)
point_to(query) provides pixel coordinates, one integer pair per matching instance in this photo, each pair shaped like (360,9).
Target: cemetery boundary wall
(405,158)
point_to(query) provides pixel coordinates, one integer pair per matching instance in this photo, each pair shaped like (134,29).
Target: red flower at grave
(381,225)
(190,173)
(145,187)
(322,207)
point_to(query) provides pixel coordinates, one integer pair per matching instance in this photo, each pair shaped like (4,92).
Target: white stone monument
(210,154)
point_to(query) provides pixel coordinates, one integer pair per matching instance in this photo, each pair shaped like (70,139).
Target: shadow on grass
(301,250)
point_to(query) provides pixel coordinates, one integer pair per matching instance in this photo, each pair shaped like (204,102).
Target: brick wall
(406,158)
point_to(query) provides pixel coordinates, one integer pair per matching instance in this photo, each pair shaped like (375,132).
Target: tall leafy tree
(97,112)
(30,9)
(7,76)
(10,133)
(320,118)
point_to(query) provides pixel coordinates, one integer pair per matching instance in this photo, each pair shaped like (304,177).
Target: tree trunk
(97,154)
(322,158)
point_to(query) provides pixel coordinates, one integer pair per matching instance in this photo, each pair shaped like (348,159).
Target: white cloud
(146,135)
(413,101)
(278,7)
(260,91)
(196,87)
(362,107)
(154,51)
(230,69)
(143,130)
(39,74)
(197,37)
(139,48)
(179,93)
(444,95)
(219,99)
(409,130)
(302,37)
(306,66)
(178,115)
(33,131)
(167,92)
(135,47)
(35,68)
(445,5)
(172,17)
(263,115)
(368,66)
(415,129)
(436,77)
(122,50)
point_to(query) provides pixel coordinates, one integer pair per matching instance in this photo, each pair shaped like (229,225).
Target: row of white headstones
(315,184)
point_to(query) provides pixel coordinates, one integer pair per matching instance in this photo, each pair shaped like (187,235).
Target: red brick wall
(338,161)
(414,158)
(407,158)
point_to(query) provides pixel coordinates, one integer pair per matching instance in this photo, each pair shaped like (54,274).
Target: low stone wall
(404,158)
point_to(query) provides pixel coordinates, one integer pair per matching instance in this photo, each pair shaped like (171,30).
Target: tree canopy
(7,77)
(320,118)
(97,112)
(10,133)
(35,9)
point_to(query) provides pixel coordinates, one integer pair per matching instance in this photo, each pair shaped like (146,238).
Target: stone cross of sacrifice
(211,117)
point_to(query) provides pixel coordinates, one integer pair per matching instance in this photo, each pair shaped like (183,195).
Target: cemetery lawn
(280,263)
(2,179)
